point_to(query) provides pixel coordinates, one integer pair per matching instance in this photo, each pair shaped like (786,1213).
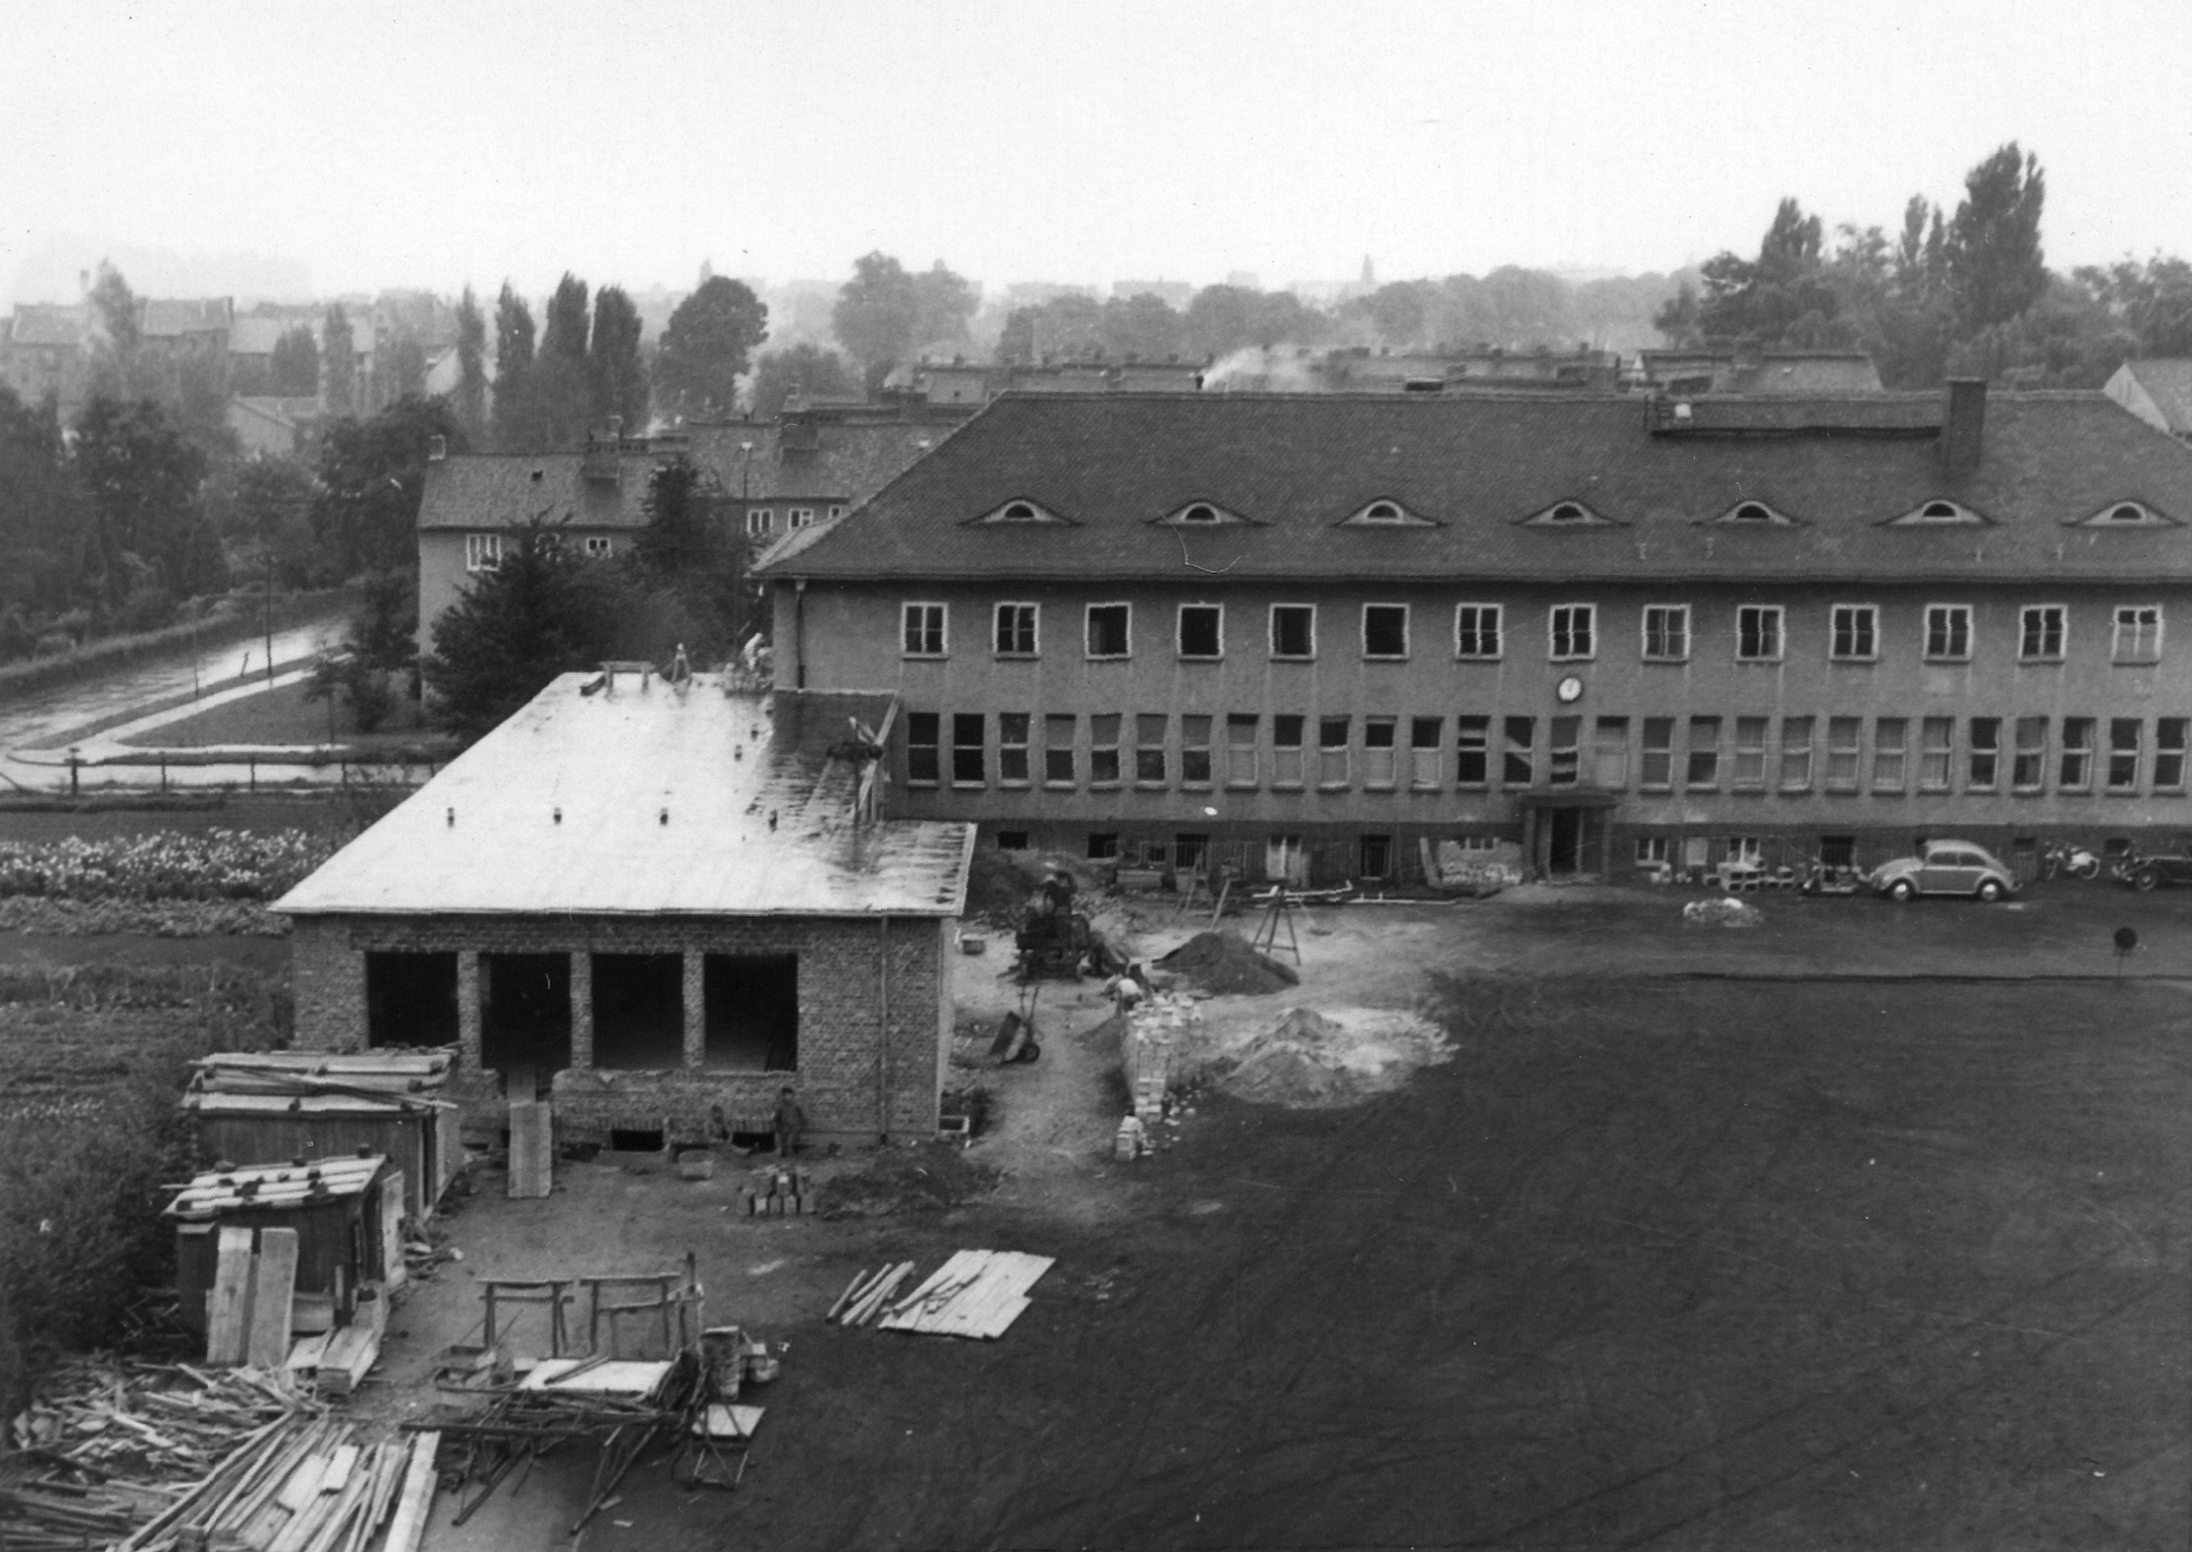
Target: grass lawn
(285,717)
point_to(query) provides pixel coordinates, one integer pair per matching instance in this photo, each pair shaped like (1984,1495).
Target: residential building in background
(1300,634)
(1746,367)
(47,350)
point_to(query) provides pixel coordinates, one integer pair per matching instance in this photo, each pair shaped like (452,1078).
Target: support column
(582,1011)
(468,1008)
(696,1011)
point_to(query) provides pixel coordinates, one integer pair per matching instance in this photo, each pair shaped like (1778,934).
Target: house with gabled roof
(1304,635)
(46,350)
(2158,391)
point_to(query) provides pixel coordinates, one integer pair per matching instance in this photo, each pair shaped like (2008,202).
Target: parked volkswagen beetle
(1945,868)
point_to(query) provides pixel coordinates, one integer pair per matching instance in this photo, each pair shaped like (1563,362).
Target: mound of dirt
(999,883)
(1723,911)
(1310,1062)
(908,1180)
(1222,965)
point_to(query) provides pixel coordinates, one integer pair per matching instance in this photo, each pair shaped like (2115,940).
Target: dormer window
(1385,512)
(1381,512)
(1755,514)
(1202,514)
(1567,514)
(1020,511)
(1937,513)
(2127,514)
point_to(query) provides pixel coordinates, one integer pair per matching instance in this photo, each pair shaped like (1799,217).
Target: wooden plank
(305,1356)
(416,1501)
(339,1466)
(393,1270)
(532,1167)
(228,1306)
(273,1286)
(304,1483)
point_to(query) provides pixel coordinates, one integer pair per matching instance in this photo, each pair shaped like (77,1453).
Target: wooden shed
(348,1214)
(272,1107)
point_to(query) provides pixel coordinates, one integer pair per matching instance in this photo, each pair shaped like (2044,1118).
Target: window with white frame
(799,517)
(1703,770)
(1890,752)
(1332,749)
(1202,630)
(1287,733)
(2028,768)
(2076,768)
(1750,753)
(1058,730)
(1380,752)
(759,520)
(1012,747)
(1518,763)
(1109,629)
(1016,630)
(2040,632)
(1564,751)
(1796,736)
(1655,770)
(924,734)
(1936,753)
(1845,743)
(1666,633)
(1426,736)
(2125,735)
(1855,633)
(1149,748)
(482,551)
(1385,630)
(1472,750)
(1476,630)
(921,630)
(2138,633)
(1103,748)
(1240,748)
(1612,768)
(2170,734)
(1195,749)
(1948,633)
(599,546)
(1651,851)
(836,511)
(1982,754)
(967,728)
(1574,629)
(1294,630)
(1758,633)
(1744,851)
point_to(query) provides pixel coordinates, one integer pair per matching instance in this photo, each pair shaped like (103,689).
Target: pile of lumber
(251,1305)
(977,1293)
(781,1193)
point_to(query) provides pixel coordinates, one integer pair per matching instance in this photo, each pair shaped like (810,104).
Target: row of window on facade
(761,521)
(483,551)
(1760,633)
(2027,755)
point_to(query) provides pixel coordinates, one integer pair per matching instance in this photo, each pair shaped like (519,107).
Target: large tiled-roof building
(1299,634)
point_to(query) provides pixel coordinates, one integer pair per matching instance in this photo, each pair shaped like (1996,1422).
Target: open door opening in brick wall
(752,1012)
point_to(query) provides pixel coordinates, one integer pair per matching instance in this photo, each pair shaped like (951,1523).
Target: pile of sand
(1310,1061)
(931,1176)
(1222,965)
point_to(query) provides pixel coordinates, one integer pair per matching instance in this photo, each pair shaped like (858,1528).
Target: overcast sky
(376,145)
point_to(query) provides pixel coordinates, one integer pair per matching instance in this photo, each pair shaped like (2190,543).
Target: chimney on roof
(1963,423)
(616,426)
(437,448)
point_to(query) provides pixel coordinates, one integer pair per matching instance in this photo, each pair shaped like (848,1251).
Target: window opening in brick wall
(1796,735)
(1936,753)
(1518,759)
(1287,733)
(1655,771)
(1293,630)
(410,999)
(1332,738)
(966,749)
(1149,748)
(1612,754)
(1190,851)
(1948,632)
(1651,851)
(1240,749)
(1012,747)
(2123,753)
(1574,631)
(1564,752)
(1838,851)
(639,1012)
(750,1006)
(1425,736)
(1103,749)
(1012,840)
(2029,773)
(1476,630)
(1750,754)
(1890,738)
(1376,856)
(1472,751)
(482,551)
(922,630)
(1058,749)
(1744,849)
(1380,752)
(1202,630)
(1758,633)
(1845,740)
(1983,754)
(1016,626)
(1103,845)
(1855,636)
(2077,762)
(1194,751)
(2169,749)
(924,736)
(525,1012)
(1703,767)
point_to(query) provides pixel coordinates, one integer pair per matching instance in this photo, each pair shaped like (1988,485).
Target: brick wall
(859,1072)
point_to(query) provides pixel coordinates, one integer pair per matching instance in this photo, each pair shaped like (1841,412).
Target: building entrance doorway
(1566,834)
(525,1014)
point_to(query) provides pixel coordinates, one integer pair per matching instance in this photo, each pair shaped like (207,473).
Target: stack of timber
(781,1193)
(977,1293)
(864,1297)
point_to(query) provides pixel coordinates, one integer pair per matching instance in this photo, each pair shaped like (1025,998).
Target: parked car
(1945,868)
(2153,872)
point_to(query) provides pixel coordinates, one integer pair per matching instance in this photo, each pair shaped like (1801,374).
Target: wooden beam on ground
(416,1501)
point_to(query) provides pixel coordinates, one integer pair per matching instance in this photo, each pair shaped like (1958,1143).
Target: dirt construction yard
(1865,1228)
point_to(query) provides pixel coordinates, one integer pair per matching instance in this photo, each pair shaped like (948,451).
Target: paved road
(44,719)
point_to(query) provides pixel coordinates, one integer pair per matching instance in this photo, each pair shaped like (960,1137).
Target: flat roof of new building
(640,799)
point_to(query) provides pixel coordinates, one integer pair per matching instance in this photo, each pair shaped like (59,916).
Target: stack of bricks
(781,1193)
(1150,1047)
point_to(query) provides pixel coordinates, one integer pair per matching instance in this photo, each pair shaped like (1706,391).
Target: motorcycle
(2075,860)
